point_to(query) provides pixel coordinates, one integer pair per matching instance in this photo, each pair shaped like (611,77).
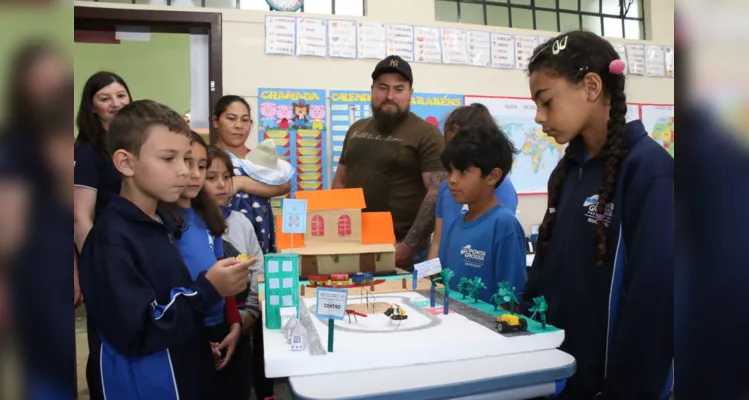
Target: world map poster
(659,122)
(538,153)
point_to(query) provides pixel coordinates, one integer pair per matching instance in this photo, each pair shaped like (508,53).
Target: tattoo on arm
(423,225)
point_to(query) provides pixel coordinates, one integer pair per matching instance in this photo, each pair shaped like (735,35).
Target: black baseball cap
(393,64)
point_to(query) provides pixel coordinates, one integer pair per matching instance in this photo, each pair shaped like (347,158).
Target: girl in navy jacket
(605,249)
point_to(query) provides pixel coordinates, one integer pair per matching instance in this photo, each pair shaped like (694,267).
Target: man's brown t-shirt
(389,167)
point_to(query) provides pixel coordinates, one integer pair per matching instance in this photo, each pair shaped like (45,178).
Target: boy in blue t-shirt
(447,209)
(488,241)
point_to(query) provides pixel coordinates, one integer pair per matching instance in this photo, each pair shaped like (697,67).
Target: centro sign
(331,303)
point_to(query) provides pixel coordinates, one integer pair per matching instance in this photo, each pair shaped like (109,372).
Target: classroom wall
(158,69)
(246,67)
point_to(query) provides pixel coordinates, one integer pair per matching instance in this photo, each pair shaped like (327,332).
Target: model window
(318,226)
(344,225)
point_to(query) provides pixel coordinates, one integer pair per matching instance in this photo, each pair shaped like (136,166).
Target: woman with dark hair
(104,94)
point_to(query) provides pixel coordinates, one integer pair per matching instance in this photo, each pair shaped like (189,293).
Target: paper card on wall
(479,48)
(272,267)
(655,62)
(341,38)
(400,41)
(503,51)
(633,112)
(287,301)
(454,50)
(311,37)
(428,268)
(287,266)
(280,35)
(273,283)
(622,50)
(370,38)
(524,46)
(287,283)
(670,62)
(636,59)
(294,216)
(273,300)
(427,46)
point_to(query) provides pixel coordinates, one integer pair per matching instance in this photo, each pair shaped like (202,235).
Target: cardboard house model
(281,287)
(340,238)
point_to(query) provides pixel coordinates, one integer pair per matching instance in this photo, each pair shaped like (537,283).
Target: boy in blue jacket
(145,312)
(487,241)
(605,258)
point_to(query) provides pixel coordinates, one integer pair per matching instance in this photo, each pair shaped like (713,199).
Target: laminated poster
(370,37)
(655,64)
(349,106)
(636,59)
(479,48)
(427,46)
(296,120)
(280,35)
(503,51)
(342,38)
(633,112)
(622,50)
(524,46)
(538,153)
(400,41)
(346,107)
(670,62)
(454,48)
(311,37)
(659,122)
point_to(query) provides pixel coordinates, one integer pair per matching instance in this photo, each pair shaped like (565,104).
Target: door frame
(94,18)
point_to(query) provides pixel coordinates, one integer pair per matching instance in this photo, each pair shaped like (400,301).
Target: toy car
(510,323)
(362,278)
(396,312)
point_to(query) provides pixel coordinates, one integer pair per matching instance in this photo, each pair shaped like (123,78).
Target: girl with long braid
(605,260)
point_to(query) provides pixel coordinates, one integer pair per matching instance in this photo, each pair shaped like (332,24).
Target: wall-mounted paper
(636,59)
(311,37)
(622,50)
(400,41)
(427,46)
(524,46)
(503,51)
(341,38)
(655,64)
(346,107)
(370,37)
(670,62)
(479,48)
(280,35)
(454,49)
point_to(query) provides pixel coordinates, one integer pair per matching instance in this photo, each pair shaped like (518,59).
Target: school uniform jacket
(145,312)
(618,318)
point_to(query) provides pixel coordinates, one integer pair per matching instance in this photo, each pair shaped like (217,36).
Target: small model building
(281,286)
(298,338)
(340,238)
(288,328)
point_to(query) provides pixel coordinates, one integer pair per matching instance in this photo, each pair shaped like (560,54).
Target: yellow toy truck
(510,323)
(396,312)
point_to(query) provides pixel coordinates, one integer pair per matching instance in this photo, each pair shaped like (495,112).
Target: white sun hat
(263,165)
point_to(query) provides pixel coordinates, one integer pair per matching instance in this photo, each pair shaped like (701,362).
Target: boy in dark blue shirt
(487,241)
(145,312)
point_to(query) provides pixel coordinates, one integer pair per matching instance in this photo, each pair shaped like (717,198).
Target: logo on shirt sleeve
(591,211)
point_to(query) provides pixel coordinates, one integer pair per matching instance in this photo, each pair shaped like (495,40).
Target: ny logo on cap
(394,63)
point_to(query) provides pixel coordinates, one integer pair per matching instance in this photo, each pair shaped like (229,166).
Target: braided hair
(577,54)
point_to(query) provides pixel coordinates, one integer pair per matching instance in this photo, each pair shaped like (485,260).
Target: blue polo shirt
(449,210)
(491,247)
(94,171)
(200,250)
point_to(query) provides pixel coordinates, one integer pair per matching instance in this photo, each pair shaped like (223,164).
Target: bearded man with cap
(394,156)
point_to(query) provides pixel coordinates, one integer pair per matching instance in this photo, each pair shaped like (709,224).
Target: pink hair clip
(617,67)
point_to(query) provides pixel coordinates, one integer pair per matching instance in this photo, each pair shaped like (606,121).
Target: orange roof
(376,228)
(318,200)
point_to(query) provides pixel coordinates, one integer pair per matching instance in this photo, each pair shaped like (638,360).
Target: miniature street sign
(331,304)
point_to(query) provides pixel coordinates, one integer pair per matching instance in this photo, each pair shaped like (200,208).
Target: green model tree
(476,285)
(540,308)
(446,275)
(497,298)
(507,295)
(464,285)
